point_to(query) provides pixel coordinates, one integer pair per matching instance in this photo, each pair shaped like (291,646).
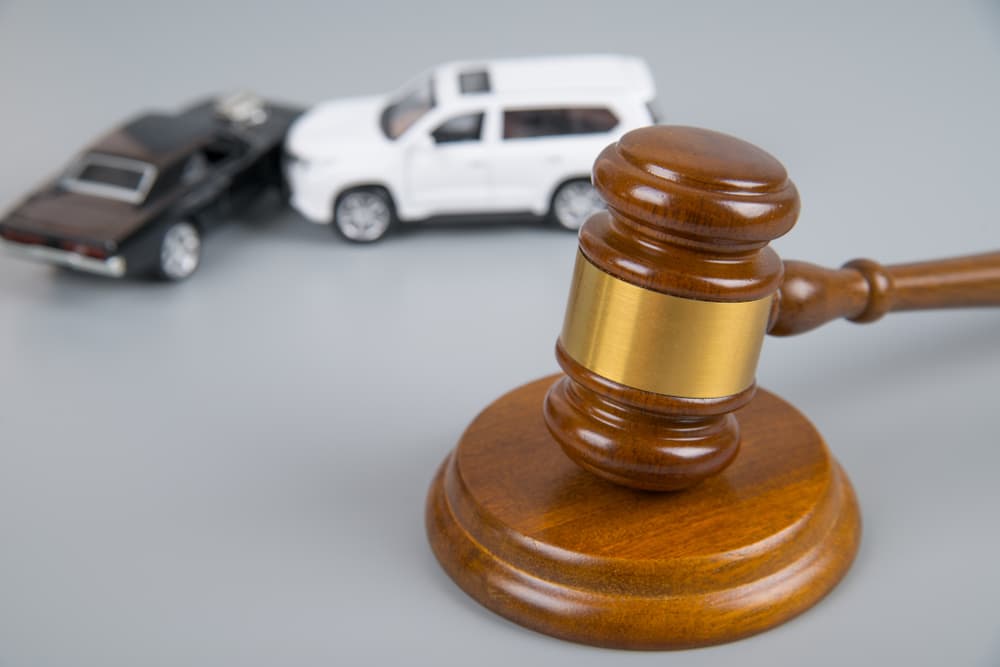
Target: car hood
(62,214)
(328,128)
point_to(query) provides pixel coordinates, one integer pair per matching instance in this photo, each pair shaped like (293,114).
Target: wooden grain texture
(640,439)
(690,213)
(864,290)
(535,538)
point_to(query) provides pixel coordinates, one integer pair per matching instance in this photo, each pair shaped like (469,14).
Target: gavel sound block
(652,497)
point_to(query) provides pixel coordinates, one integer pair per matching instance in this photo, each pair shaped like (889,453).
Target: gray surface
(232,471)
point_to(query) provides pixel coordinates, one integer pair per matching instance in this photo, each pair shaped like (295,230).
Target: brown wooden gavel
(864,290)
(673,292)
(674,289)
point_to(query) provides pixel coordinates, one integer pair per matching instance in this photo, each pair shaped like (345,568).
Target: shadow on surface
(921,356)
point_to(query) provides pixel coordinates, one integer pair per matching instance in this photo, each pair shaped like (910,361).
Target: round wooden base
(535,538)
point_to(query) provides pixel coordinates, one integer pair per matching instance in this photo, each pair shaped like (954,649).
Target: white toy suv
(505,137)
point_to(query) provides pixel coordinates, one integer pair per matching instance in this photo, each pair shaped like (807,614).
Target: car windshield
(408,107)
(110,177)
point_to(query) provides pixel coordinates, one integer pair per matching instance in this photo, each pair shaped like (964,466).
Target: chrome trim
(113,267)
(137,196)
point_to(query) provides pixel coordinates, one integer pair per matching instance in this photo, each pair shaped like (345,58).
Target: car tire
(573,202)
(179,251)
(364,215)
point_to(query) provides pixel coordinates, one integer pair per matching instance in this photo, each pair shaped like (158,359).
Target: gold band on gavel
(662,343)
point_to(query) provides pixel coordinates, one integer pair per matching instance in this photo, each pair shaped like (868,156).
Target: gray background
(232,471)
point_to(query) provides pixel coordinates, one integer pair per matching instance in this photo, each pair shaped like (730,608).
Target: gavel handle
(864,290)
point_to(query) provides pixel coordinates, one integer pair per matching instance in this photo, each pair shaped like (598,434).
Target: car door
(228,160)
(450,172)
(213,176)
(541,147)
(531,154)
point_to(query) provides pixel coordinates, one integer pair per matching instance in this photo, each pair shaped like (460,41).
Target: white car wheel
(574,202)
(180,251)
(364,215)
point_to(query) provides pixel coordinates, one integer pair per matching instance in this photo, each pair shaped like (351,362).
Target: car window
(195,169)
(467,127)
(111,177)
(408,107)
(527,123)
(222,149)
(590,120)
(474,81)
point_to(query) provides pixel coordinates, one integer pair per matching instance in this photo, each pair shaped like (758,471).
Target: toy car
(467,138)
(138,201)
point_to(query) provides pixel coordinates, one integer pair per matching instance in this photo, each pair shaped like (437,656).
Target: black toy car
(139,200)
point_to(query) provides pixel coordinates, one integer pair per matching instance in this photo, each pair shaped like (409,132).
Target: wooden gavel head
(669,305)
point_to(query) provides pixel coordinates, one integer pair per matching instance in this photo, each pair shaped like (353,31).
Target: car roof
(160,139)
(552,77)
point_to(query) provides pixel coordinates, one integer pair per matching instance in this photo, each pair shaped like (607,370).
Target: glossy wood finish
(690,213)
(767,522)
(535,538)
(864,290)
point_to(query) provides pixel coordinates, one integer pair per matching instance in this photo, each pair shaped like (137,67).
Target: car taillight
(22,237)
(84,249)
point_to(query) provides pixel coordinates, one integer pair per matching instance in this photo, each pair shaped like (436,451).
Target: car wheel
(180,251)
(364,215)
(574,202)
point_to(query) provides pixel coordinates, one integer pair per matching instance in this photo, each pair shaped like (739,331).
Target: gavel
(674,289)
(652,496)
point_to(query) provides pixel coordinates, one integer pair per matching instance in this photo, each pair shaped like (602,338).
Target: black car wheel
(180,251)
